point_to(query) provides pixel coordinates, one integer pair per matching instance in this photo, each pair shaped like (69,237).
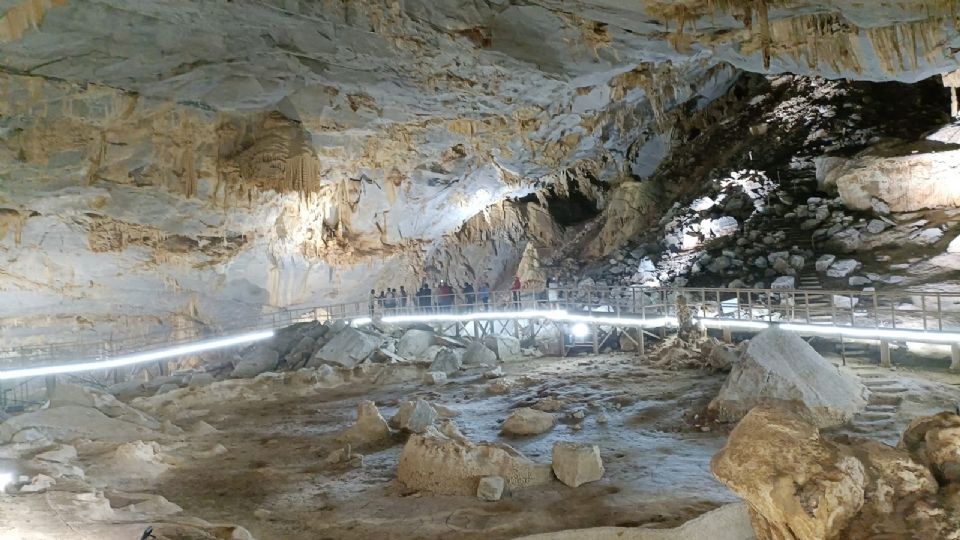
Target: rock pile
(314,344)
(801,485)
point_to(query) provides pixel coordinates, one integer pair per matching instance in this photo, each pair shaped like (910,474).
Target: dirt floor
(263,466)
(656,462)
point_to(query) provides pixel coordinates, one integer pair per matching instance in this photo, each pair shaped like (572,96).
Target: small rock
(577,464)
(414,416)
(435,377)
(494,373)
(876,226)
(824,262)
(490,488)
(526,421)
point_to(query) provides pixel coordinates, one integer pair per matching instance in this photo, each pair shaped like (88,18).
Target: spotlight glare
(6,479)
(139,358)
(580,330)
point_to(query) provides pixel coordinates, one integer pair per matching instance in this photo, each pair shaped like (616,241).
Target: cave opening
(571,208)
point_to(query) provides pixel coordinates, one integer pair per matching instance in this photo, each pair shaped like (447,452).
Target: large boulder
(478,354)
(438,464)
(414,416)
(370,428)
(526,421)
(935,442)
(71,422)
(779,366)
(446,361)
(414,343)
(802,486)
(71,394)
(348,348)
(256,360)
(576,464)
(505,347)
(906,183)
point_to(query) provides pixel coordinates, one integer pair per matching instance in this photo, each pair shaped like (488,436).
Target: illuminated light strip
(875,333)
(563,316)
(127,360)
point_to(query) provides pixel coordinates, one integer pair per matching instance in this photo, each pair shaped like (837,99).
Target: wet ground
(656,460)
(275,433)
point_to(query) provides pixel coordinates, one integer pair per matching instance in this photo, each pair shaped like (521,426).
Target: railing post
(885,353)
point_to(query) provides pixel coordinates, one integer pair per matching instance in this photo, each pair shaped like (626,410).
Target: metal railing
(930,311)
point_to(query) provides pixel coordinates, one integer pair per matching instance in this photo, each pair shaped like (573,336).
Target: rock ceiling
(191,159)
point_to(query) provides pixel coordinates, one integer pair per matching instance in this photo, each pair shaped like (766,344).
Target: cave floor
(656,460)
(270,477)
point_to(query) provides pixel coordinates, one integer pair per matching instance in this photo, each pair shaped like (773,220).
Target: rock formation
(779,366)
(356,139)
(802,485)
(432,462)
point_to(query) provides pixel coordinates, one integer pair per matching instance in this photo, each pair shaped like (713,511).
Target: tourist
(373,301)
(391,301)
(403,298)
(553,293)
(382,299)
(423,297)
(515,289)
(469,297)
(485,295)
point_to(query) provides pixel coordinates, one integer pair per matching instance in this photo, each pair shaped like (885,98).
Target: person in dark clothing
(516,292)
(485,295)
(382,299)
(403,298)
(444,296)
(423,296)
(469,298)
(373,301)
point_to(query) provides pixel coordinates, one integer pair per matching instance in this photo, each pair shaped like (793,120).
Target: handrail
(937,311)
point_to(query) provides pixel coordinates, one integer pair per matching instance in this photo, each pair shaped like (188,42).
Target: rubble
(779,366)
(577,464)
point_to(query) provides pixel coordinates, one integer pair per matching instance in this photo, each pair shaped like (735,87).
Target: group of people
(441,298)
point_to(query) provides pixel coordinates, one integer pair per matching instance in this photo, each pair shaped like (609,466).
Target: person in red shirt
(516,291)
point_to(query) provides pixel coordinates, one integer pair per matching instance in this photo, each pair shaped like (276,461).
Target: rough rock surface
(526,421)
(478,354)
(577,464)
(414,416)
(432,462)
(71,422)
(490,488)
(505,347)
(369,429)
(446,361)
(414,343)
(800,485)
(347,349)
(256,360)
(906,183)
(779,366)
(729,522)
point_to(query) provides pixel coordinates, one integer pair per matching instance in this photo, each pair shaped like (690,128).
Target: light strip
(563,316)
(127,360)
